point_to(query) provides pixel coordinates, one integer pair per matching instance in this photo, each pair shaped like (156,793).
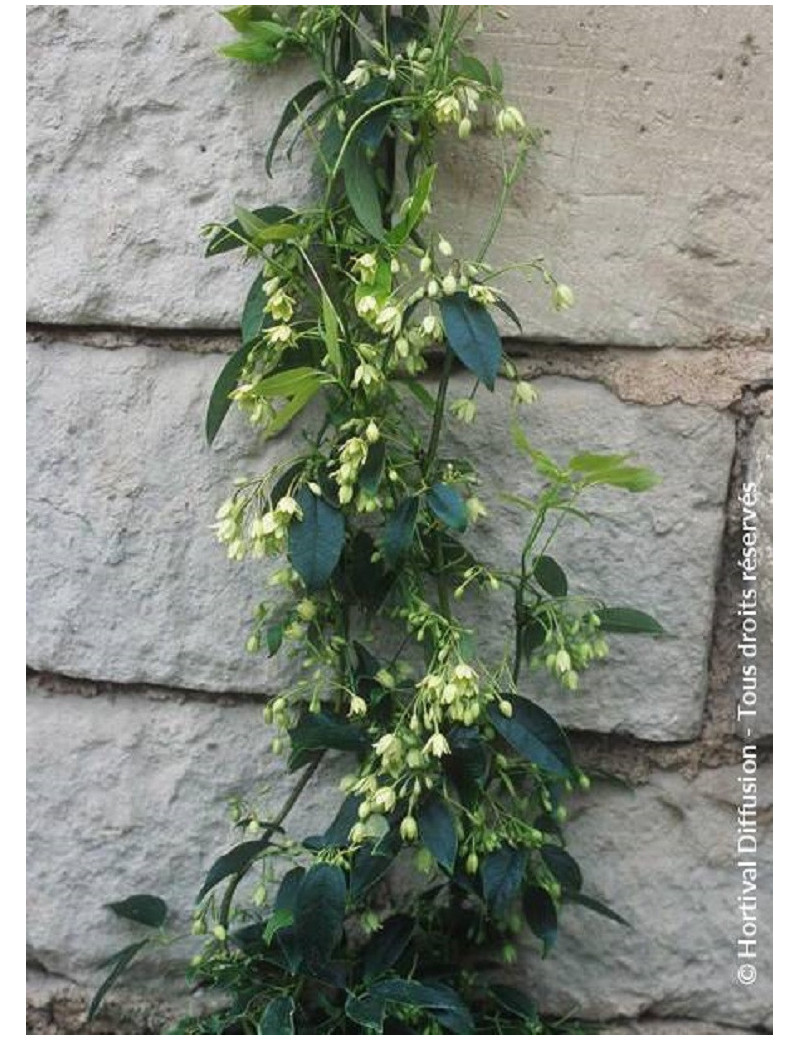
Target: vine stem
(273,825)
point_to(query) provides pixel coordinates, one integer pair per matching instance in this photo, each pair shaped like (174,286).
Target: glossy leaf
(316,540)
(438,833)
(550,576)
(628,620)
(226,383)
(367,1010)
(118,963)
(145,909)
(502,873)
(563,867)
(595,904)
(398,533)
(473,336)
(362,190)
(447,505)
(294,108)
(322,731)
(278,1017)
(386,947)
(515,1002)
(232,862)
(540,913)
(535,735)
(319,912)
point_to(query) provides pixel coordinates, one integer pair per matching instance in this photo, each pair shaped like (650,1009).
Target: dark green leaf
(628,620)
(316,540)
(467,764)
(233,862)
(448,506)
(474,69)
(370,133)
(232,235)
(226,383)
(278,1016)
(146,909)
(416,994)
(321,731)
(398,532)
(438,833)
(502,872)
(277,921)
(120,962)
(319,912)
(370,474)
(294,108)
(286,896)
(398,235)
(497,75)
(274,639)
(563,867)
(370,864)
(362,190)
(535,735)
(541,915)
(472,335)
(509,312)
(253,317)
(386,947)
(515,1001)
(367,1010)
(596,905)
(550,576)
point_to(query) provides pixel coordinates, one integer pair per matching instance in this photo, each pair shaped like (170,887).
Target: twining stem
(273,825)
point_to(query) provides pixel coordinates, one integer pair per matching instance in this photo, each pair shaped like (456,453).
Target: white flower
(437,745)
(359,76)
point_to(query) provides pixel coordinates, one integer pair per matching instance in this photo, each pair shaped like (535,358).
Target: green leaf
(535,735)
(473,336)
(597,906)
(253,316)
(315,541)
(612,470)
(550,576)
(319,913)
(286,896)
(448,506)
(232,235)
(438,833)
(502,873)
(587,462)
(274,639)
(417,390)
(370,474)
(470,67)
(386,947)
(628,620)
(411,993)
(367,1010)
(337,834)
(293,109)
(226,383)
(563,867)
(321,731)
(278,1017)
(369,866)
(497,75)
(232,862)
(542,462)
(540,913)
(398,532)
(120,962)
(416,208)
(509,312)
(515,1002)
(330,321)
(287,382)
(362,190)
(276,922)
(467,765)
(145,909)
(259,233)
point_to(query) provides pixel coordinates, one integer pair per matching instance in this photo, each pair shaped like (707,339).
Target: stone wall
(651,196)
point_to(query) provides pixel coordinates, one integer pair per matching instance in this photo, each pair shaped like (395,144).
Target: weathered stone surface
(664,856)
(128,793)
(651,195)
(656,551)
(126,583)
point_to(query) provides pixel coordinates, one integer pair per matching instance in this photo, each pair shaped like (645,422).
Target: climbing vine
(371,334)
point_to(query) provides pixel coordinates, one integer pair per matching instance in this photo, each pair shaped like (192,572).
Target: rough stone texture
(657,551)
(664,857)
(127,585)
(651,195)
(132,792)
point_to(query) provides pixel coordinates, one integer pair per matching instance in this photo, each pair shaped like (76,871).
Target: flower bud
(472,863)
(562,297)
(464,128)
(409,829)
(445,248)
(219,932)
